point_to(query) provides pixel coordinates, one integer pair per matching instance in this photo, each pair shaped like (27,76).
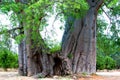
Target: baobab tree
(78,53)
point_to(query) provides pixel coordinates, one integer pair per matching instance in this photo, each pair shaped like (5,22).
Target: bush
(116,57)
(105,62)
(109,63)
(8,59)
(100,62)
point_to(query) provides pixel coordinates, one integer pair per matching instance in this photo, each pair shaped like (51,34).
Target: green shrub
(55,48)
(8,59)
(109,63)
(100,62)
(116,57)
(105,62)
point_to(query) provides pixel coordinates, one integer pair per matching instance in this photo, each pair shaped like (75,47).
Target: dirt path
(13,76)
(109,75)
(99,76)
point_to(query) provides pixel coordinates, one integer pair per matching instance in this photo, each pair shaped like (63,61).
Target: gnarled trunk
(78,53)
(38,60)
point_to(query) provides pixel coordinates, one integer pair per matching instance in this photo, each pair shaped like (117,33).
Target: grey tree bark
(22,52)
(22,58)
(80,42)
(32,56)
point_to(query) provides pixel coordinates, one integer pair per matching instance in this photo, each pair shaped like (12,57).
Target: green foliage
(5,40)
(8,59)
(70,55)
(112,3)
(116,57)
(75,8)
(108,37)
(106,46)
(19,38)
(100,62)
(55,48)
(10,6)
(109,63)
(34,14)
(105,62)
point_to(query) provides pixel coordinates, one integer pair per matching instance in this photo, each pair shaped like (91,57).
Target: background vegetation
(108,37)
(8,59)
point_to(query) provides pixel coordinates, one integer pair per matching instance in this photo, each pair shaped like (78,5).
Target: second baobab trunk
(79,41)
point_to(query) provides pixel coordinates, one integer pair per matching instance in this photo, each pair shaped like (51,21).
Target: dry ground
(114,75)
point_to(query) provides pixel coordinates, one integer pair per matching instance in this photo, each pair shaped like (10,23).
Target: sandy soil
(99,76)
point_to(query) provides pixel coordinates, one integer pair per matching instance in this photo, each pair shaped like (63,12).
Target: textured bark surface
(22,58)
(33,56)
(22,55)
(80,42)
(39,62)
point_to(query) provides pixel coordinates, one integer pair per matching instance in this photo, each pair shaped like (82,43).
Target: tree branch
(98,4)
(89,2)
(56,17)
(108,18)
(11,30)
(92,3)
(106,14)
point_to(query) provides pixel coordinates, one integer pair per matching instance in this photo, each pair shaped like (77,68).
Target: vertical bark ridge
(83,47)
(20,56)
(75,59)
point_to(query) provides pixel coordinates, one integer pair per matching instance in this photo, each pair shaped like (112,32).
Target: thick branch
(11,30)
(98,4)
(95,3)
(91,2)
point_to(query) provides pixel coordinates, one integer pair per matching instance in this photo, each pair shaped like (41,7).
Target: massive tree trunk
(38,60)
(33,56)
(79,42)
(78,53)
